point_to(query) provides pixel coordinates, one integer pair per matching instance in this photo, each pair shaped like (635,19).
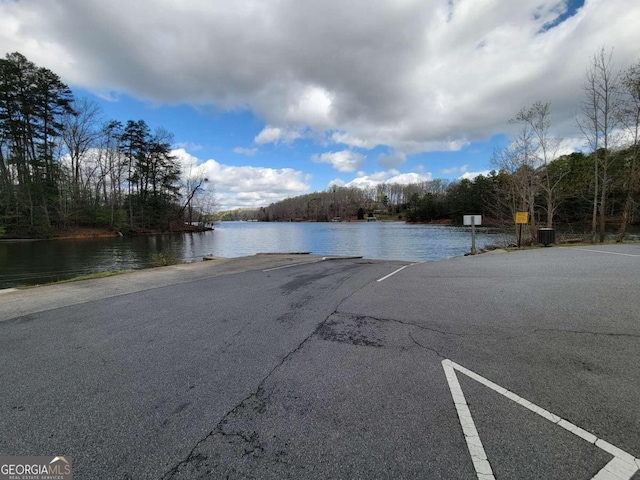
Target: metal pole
(519,235)
(473,235)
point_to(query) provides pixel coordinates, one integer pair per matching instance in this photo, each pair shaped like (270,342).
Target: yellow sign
(522,217)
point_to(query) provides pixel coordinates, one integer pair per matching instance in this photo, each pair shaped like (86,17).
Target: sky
(276,98)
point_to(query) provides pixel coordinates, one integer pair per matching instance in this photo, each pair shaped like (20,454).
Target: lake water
(41,261)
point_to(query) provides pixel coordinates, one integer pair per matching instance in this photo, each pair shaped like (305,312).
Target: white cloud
(472,175)
(363,180)
(413,75)
(407,178)
(246,186)
(452,170)
(276,135)
(347,139)
(311,106)
(572,144)
(336,182)
(268,135)
(187,146)
(249,152)
(343,161)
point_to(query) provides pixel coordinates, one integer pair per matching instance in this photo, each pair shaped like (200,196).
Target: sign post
(473,220)
(521,219)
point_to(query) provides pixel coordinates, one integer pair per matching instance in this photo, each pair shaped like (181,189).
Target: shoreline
(212,260)
(278,256)
(88,232)
(20,301)
(153,249)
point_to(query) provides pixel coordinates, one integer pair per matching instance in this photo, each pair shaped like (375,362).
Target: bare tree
(520,161)
(598,121)
(538,118)
(115,165)
(192,187)
(205,203)
(630,118)
(80,134)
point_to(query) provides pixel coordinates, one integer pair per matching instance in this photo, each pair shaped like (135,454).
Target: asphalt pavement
(521,365)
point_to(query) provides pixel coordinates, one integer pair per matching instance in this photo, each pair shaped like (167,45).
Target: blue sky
(278,98)
(229,137)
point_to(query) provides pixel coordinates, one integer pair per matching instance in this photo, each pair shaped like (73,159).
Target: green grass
(109,273)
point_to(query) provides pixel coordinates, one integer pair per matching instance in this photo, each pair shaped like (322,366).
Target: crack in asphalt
(421,327)
(496,335)
(219,426)
(427,348)
(586,332)
(192,455)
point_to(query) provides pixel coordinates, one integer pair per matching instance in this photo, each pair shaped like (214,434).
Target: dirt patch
(83,232)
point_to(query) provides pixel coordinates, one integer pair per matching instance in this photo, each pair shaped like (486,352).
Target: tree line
(496,196)
(606,182)
(588,193)
(62,166)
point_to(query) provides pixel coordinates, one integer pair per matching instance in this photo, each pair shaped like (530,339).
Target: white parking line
(394,272)
(616,469)
(474,444)
(623,466)
(610,253)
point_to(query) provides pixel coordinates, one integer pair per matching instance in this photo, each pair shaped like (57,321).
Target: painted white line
(616,469)
(615,451)
(7,290)
(622,467)
(610,253)
(393,273)
(474,444)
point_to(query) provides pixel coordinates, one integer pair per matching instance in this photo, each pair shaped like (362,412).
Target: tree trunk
(626,213)
(603,200)
(594,216)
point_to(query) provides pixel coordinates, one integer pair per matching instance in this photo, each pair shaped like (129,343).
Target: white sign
(476,219)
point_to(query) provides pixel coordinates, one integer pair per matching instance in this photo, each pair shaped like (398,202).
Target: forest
(589,194)
(62,166)
(496,196)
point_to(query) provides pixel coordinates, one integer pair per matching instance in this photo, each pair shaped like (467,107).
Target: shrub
(164,258)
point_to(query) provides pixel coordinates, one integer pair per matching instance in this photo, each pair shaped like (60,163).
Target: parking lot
(518,365)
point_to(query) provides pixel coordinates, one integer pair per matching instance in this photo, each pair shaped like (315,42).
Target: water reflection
(30,262)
